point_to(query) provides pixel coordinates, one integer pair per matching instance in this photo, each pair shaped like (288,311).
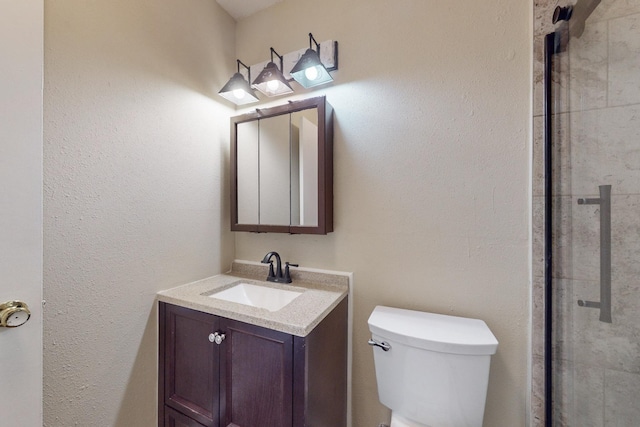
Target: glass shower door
(596,216)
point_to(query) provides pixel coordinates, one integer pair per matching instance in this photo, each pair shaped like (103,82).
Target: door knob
(14,314)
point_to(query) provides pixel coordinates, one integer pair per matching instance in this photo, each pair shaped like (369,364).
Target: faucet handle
(272,274)
(287,274)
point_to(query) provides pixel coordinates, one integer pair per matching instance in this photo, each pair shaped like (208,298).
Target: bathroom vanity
(225,363)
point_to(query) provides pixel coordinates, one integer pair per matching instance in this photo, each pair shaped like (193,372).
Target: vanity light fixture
(238,90)
(309,71)
(271,81)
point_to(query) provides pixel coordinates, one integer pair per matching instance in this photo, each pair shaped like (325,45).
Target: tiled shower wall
(597,377)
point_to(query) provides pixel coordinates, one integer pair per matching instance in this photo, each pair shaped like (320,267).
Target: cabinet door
(191,360)
(256,370)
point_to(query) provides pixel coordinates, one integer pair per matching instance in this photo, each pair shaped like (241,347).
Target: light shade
(272,82)
(238,90)
(309,70)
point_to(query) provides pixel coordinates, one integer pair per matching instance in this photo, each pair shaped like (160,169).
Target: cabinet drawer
(176,419)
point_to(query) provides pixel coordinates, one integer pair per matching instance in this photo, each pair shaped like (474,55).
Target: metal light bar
(328,56)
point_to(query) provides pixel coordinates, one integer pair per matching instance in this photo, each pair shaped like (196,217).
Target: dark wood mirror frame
(325,166)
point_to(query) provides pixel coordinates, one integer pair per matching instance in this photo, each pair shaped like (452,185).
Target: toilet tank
(437,369)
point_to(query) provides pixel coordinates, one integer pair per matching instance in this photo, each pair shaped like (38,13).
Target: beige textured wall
(432,142)
(136,155)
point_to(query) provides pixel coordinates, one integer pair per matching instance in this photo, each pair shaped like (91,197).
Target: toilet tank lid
(435,332)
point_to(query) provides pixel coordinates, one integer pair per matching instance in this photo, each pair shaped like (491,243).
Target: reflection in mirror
(304,167)
(274,171)
(278,170)
(248,184)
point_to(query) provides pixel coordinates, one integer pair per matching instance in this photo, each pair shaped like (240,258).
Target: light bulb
(239,93)
(311,73)
(273,85)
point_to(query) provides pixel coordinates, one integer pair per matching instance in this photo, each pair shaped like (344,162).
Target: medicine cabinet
(282,169)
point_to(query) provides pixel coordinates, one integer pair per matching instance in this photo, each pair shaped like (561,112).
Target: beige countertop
(321,293)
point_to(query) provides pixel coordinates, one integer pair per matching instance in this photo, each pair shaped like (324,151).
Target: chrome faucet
(277,275)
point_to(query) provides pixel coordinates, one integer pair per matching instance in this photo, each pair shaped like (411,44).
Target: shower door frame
(549,51)
(555,42)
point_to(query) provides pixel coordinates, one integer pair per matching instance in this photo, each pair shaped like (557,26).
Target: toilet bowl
(432,370)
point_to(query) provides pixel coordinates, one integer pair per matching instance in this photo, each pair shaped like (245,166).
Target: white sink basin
(257,296)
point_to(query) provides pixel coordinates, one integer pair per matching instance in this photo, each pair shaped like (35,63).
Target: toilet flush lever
(383,345)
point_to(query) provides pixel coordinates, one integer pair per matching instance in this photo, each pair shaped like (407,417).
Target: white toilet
(435,369)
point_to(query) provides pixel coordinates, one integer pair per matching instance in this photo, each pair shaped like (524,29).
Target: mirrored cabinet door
(282,169)
(304,168)
(248,169)
(275,161)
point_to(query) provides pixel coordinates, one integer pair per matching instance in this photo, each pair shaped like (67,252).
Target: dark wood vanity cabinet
(255,377)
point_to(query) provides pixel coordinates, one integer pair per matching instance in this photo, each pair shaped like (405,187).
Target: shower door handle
(605,253)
